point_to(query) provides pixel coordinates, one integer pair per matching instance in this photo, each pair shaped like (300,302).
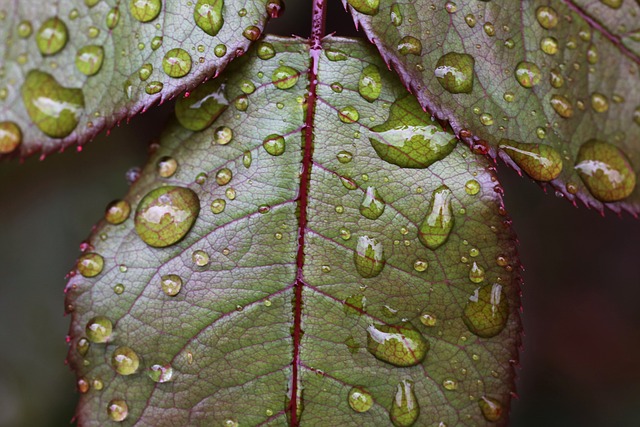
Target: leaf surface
(321,283)
(531,82)
(69,70)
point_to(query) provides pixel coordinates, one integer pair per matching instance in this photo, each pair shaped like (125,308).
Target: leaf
(534,83)
(71,70)
(287,276)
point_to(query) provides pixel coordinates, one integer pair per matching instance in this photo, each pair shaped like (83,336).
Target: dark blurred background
(581,296)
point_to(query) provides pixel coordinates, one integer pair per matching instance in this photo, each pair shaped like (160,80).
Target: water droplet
(220,50)
(541,162)
(491,408)
(451,7)
(222,135)
(118,289)
(409,138)
(118,410)
(489,29)
(230,193)
(52,36)
(336,87)
(99,329)
(409,46)
(547,17)
(117,212)
(605,170)
(527,74)
(599,102)
(592,54)
(399,345)
(145,10)
(470,19)
(486,119)
(344,157)
(486,311)
(437,225)
(218,205)
(369,257)
(160,373)
(153,87)
(367,7)
(450,385)
(372,205)
(10,137)
(165,215)
(166,166)
(145,72)
(404,407)
(555,78)
(476,273)
(125,361)
(274,144)
(156,42)
(428,320)
(360,399)
(251,33)
(345,234)
(90,264)
(395,15)
(348,114)
(370,84)
(171,284)
(200,258)
(335,55)
(89,59)
(176,63)
(202,107)
(549,45)
(113,17)
(24,29)
(472,187)
(266,50)
(82,347)
(562,106)
(420,265)
(83,385)
(224,176)
(55,109)
(241,103)
(284,77)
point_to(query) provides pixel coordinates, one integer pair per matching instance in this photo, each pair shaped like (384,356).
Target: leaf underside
(587,55)
(113,61)
(260,312)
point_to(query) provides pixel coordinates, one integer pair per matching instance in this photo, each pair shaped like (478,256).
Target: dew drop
(549,45)
(125,361)
(335,55)
(599,102)
(156,42)
(486,119)
(420,265)
(437,225)
(540,161)
(547,17)
(345,234)
(166,166)
(145,10)
(113,17)
(491,409)
(153,87)
(218,205)
(53,108)
(398,345)
(160,373)
(592,54)
(83,385)
(171,284)
(284,77)
(476,273)
(82,347)
(165,215)
(24,29)
(118,289)
(246,159)
(118,410)
(90,264)
(409,138)
(10,137)
(145,72)
(117,212)
(176,63)
(344,157)
(450,385)
(486,311)
(266,50)
(372,205)
(360,399)
(200,258)
(220,50)
(241,103)
(367,7)
(251,33)
(370,84)
(428,319)
(489,29)
(224,176)
(395,15)
(562,106)
(472,187)
(348,114)
(274,144)
(52,36)
(99,329)
(605,170)
(409,46)
(404,407)
(454,72)
(470,19)
(527,74)
(202,107)
(89,59)
(336,87)
(555,78)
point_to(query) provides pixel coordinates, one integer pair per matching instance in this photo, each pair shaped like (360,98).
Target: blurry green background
(581,296)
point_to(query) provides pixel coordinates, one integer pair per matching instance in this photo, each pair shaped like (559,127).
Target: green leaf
(303,291)
(535,83)
(70,70)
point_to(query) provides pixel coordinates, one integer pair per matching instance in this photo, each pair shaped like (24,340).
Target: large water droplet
(274,144)
(145,10)
(118,410)
(55,109)
(455,72)
(203,106)
(284,77)
(90,264)
(125,361)
(89,59)
(52,36)
(99,329)
(370,84)
(409,138)
(265,50)
(404,407)
(562,106)
(160,373)
(360,399)
(599,102)
(399,345)
(368,7)
(395,15)
(165,215)
(369,257)
(436,227)
(605,170)
(372,205)
(176,63)
(491,408)
(541,162)
(527,74)
(487,311)
(409,46)
(117,212)
(10,137)
(547,17)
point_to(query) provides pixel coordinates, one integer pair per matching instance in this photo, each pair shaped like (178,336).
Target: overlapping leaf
(71,69)
(374,323)
(533,82)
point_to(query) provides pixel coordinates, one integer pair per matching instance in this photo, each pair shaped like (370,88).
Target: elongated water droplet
(527,74)
(372,205)
(405,409)
(285,77)
(409,46)
(428,319)
(368,7)
(360,399)
(409,138)
(399,345)
(455,72)
(113,17)
(562,106)
(203,106)
(99,329)
(547,17)
(52,36)
(395,15)
(160,373)
(369,257)
(145,10)
(344,157)
(476,273)
(165,215)
(274,144)
(89,59)
(491,408)
(335,55)
(437,225)
(486,311)
(605,170)
(541,162)
(125,361)
(90,264)
(54,108)
(118,410)
(10,137)
(246,159)
(370,84)
(117,212)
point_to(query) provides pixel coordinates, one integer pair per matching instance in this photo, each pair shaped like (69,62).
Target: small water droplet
(555,78)
(549,45)
(348,114)
(472,187)
(224,176)
(336,87)
(527,74)
(370,83)
(52,36)
(547,17)
(218,205)
(599,102)
(369,257)
(125,361)
(454,72)
(470,19)
(372,205)
(285,77)
(117,212)
(82,347)
(246,159)
(486,119)
(420,265)
(145,10)
(230,193)
(113,17)
(171,284)
(220,50)
(367,7)
(437,225)
(491,408)
(409,46)
(540,161)
(24,29)
(251,33)
(360,399)
(428,319)
(118,289)
(166,166)
(486,311)
(562,106)
(274,144)
(160,373)
(165,215)
(345,234)
(156,42)
(405,409)
(118,410)
(266,50)
(489,29)
(344,157)
(153,87)
(90,264)
(476,273)
(10,137)
(335,55)
(592,54)
(200,258)
(89,59)
(450,384)
(145,71)
(98,330)
(399,345)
